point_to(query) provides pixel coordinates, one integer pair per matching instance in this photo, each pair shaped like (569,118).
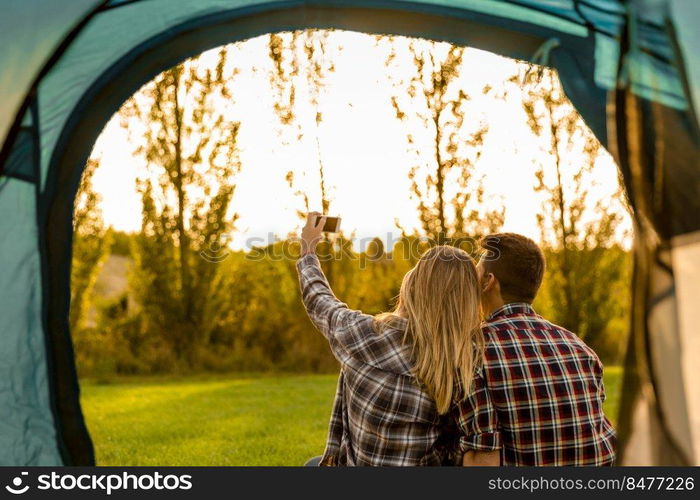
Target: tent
(632,68)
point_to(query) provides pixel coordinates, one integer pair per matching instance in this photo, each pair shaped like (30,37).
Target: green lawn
(232,420)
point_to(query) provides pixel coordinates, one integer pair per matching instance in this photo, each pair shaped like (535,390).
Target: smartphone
(332,224)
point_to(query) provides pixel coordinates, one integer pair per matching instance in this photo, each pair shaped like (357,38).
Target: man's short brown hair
(517,263)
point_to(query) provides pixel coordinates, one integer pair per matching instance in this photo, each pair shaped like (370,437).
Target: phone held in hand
(332,224)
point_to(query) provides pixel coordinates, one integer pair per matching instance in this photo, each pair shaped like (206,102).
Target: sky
(361,143)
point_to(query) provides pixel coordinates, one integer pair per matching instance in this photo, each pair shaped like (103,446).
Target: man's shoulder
(512,325)
(521,322)
(504,332)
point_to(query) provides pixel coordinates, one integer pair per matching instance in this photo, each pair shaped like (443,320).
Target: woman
(401,371)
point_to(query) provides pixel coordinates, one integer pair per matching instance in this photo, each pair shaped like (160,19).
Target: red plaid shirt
(544,393)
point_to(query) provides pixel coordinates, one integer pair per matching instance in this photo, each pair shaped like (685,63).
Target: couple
(431,384)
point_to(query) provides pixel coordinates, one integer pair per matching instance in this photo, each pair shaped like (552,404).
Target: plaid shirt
(544,393)
(380,416)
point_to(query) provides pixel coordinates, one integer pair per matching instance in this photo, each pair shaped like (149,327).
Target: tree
(587,278)
(301,64)
(90,247)
(189,148)
(298,61)
(435,108)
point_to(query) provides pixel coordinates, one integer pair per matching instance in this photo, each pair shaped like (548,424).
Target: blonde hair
(439,298)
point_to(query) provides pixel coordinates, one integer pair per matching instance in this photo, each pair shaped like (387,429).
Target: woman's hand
(311,234)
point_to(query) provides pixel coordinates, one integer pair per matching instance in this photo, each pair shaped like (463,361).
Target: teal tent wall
(629,67)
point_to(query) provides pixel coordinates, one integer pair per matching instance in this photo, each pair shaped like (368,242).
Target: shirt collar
(511,309)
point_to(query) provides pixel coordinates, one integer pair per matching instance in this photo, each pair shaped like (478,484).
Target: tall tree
(435,110)
(91,242)
(189,148)
(302,61)
(301,64)
(586,283)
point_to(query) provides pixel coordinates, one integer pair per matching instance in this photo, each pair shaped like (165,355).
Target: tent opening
(184,301)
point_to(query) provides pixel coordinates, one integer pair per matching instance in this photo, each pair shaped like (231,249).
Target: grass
(223,421)
(613,387)
(231,420)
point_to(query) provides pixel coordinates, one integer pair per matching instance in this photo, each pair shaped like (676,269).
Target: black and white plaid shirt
(381,416)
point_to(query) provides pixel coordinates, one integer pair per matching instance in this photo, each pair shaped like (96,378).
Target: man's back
(546,386)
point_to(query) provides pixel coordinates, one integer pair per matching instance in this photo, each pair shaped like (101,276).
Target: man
(544,384)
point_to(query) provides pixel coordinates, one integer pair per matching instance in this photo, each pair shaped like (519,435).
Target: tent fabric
(20,163)
(685,15)
(27,433)
(29,53)
(685,254)
(631,68)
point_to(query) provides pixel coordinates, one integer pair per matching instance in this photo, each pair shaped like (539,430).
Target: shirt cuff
(488,441)
(308,259)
